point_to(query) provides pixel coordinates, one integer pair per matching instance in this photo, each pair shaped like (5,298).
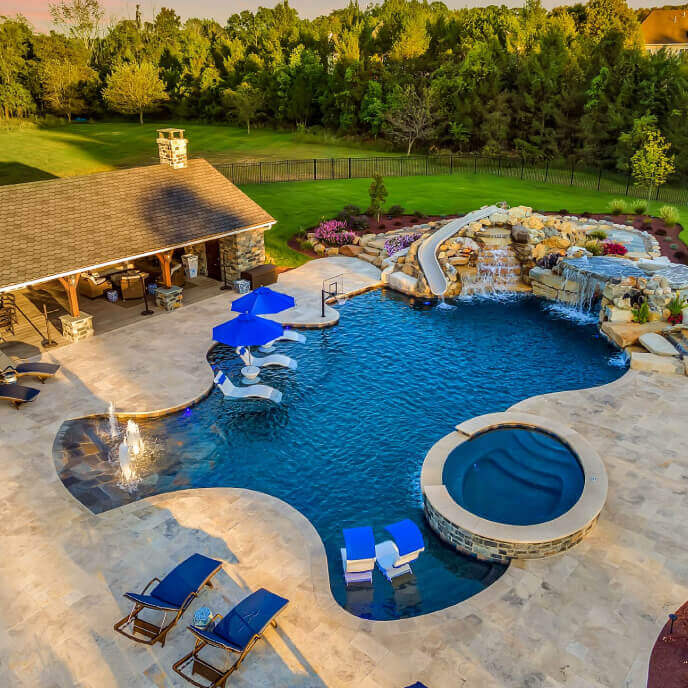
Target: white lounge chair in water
(279,360)
(287,336)
(394,556)
(252,391)
(358,555)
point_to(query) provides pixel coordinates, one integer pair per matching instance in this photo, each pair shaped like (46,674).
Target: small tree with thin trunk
(378,196)
(411,118)
(61,82)
(245,101)
(134,89)
(652,164)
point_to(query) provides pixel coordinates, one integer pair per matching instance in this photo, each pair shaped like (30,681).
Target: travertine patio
(584,619)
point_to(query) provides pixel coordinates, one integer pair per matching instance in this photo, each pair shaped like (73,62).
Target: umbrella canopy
(247,330)
(263,300)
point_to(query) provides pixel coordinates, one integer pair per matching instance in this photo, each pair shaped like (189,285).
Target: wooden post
(70,284)
(165,263)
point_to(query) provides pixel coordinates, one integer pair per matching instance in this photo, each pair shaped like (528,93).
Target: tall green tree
(652,163)
(134,89)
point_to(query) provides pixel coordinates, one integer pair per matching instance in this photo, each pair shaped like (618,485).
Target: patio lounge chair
(358,556)
(17,394)
(394,556)
(256,391)
(40,370)
(172,595)
(287,336)
(236,633)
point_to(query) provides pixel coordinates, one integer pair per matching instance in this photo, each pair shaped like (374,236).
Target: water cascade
(497,270)
(444,306)
(133,438)
(112,420)
(125,464)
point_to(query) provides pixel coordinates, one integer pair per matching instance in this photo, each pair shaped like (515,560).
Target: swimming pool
(517,476)
(346,445)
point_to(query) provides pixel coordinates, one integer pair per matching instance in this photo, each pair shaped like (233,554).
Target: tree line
(572,83)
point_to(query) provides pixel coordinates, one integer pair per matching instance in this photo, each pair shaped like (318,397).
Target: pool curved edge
(499,542)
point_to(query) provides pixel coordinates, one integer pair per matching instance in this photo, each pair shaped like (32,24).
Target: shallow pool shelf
(490,540)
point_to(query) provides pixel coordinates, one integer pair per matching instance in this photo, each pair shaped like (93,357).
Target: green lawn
(31,153)
(302,205)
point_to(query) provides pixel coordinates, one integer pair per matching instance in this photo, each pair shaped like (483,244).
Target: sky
(36,11)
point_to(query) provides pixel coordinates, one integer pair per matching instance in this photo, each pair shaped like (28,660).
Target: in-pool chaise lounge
(279,360)
(17,394)
(255,391)
(236,633)
(287,336)
(394,556)
(172,595)
(358,555)
(40,370)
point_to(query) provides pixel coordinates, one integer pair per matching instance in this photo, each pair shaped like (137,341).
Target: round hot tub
(512,486)
(514,475)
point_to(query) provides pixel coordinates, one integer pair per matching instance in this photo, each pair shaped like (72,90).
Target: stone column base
(76,329)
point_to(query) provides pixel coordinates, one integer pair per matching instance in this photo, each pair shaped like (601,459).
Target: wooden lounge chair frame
(154,634)
(217,677)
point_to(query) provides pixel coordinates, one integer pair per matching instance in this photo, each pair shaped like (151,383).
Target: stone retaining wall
(242,251)
(498,550)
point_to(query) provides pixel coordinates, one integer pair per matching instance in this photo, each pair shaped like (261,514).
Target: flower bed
(400,242)
(334,233)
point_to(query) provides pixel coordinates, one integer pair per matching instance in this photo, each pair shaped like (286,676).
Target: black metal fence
(567,174)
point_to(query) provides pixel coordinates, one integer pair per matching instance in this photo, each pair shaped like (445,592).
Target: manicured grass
(31,153)
(301,205)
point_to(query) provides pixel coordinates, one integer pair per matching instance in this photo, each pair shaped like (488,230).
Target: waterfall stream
(497,271)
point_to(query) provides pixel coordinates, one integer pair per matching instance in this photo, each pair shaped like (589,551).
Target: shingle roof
(59,226)
(665,27)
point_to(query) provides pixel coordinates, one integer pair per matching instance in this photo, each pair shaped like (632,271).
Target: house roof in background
(62,226)
(665,27)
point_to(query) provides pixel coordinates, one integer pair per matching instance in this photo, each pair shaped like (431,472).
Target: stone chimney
(172,148)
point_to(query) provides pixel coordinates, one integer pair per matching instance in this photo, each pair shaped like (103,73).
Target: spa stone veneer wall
(242,251)
(486,549)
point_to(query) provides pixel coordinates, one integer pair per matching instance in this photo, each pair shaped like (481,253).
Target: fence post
(573,167)
(523,166)
(499,166)
(349,168)
(331,168)
(260,172)
(657,193)
(628,182)
(599,178)
(451,164)
(546,170)
(475,164)
(426,165)
(315,169)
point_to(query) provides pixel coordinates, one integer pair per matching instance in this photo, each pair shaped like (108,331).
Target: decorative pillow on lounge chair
(94,279)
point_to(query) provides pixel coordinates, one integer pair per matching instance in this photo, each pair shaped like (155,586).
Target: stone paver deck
(584,619)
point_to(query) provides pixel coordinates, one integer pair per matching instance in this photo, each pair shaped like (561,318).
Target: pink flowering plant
(400,241)
(334,233)
(613,248)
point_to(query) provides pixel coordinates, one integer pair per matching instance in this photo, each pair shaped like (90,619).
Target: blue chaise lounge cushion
(247,619)
(175,587)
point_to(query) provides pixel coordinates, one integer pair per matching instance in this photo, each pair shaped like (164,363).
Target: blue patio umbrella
(247,330)
(263,300)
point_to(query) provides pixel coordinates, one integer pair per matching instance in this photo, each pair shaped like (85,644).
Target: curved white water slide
(427,253)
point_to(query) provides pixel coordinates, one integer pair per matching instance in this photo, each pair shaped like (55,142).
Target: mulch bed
(669,658)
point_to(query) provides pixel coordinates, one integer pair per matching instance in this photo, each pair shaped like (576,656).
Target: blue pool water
(346,445)
(517,476)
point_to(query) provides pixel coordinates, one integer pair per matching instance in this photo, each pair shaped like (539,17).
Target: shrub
(676,305)
(351,210)
(597,234)
(595,247)
(641,314)
(301,234)
(306,245)
(334,233)
(639,206)
(378,195)
(401,241)
(669,214)
(395,211)
(617,206)
(419,214)
(614,248)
